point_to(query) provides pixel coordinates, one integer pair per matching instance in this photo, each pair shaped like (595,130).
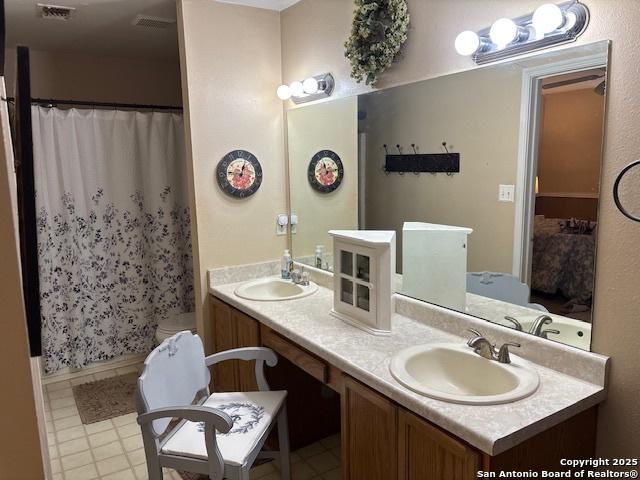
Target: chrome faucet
(486,349)
(539,324)
(481,345)
(300,277)
(516,324)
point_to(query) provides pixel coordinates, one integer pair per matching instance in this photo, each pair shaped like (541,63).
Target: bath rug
(106,398)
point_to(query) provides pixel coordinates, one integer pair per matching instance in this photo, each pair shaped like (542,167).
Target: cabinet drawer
(296,355)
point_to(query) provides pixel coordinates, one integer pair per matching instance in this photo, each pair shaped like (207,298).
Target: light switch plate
(506,193)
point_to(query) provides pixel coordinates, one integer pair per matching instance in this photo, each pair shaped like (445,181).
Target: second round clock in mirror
(510,234)
(325,171)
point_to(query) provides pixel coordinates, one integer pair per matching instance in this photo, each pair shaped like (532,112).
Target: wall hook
(385,149)
(444,144)
(413,145)
(399,149)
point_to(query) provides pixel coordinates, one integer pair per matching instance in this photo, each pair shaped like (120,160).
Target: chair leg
(154,470)
(283,443)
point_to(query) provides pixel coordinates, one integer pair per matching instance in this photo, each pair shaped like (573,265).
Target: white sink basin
(455,373)
(274,289)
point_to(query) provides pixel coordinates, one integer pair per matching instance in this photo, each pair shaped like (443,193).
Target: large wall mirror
(490,178)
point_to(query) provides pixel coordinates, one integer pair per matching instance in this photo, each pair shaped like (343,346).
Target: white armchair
(219,434)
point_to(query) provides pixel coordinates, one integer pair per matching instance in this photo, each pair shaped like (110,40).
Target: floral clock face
(325,171)
(239,174)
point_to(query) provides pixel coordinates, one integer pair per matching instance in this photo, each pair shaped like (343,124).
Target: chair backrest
(499,286)
(173,373)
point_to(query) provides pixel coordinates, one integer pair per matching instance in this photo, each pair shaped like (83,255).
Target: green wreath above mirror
(378,32)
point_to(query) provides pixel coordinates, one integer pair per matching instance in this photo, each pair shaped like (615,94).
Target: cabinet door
(225,374)
(427,453)
(369,434)
(248,335)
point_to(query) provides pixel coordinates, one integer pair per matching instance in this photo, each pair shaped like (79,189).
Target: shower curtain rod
(53,101)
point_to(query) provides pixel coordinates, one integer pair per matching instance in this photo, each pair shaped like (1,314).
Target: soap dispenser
(285,265)
(318,256)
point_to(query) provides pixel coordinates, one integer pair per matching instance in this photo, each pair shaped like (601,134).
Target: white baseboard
(69,373)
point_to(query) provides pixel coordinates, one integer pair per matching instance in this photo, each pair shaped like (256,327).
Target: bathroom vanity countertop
(492,429)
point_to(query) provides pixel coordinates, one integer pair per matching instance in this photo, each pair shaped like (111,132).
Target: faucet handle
(544,333)
(503,353)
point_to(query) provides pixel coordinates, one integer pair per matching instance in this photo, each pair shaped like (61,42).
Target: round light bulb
(547,18)
(467,43)
(283,92)
(503,32)
(297,89)
(570,20)
(310,85)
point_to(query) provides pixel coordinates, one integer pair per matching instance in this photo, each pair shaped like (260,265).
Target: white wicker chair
(219,434)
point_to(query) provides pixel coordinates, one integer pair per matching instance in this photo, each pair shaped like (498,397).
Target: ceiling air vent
(55,12)
(152,22)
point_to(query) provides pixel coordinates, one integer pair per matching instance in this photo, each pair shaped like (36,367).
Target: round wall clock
(239,174)
(325,171)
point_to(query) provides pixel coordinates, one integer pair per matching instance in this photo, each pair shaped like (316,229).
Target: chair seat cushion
(252,414)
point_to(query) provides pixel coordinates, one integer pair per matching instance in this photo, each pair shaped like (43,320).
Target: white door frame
(530,113)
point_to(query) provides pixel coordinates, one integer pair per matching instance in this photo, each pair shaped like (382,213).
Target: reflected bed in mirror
(493,192)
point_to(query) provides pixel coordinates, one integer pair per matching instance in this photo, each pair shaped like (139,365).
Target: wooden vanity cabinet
(380,439)
(233,329)
(369,434)
(309,381)
(426,452)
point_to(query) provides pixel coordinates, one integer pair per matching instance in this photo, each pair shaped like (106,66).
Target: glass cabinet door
(355,279)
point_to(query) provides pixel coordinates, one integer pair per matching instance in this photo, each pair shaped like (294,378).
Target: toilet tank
(434,263)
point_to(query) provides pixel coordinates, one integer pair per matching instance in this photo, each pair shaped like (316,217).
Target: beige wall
(66,76)
(571,142)
(452,109)
(313,33)
(332,126)
(230,58)
(20,454)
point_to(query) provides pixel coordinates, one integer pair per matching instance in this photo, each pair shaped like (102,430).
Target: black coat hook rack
(417,163)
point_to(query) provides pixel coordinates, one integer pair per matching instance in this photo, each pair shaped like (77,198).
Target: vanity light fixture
(549,25)
(312,88)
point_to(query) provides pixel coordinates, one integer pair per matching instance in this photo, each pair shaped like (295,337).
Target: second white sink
(455,373)
(274,289)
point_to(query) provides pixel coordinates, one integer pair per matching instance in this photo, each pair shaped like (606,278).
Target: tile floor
(112,449)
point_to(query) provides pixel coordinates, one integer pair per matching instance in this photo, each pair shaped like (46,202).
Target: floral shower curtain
(114,240)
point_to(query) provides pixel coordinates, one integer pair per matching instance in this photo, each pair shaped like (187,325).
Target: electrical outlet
(282,221)
(294,223)
(506,193)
